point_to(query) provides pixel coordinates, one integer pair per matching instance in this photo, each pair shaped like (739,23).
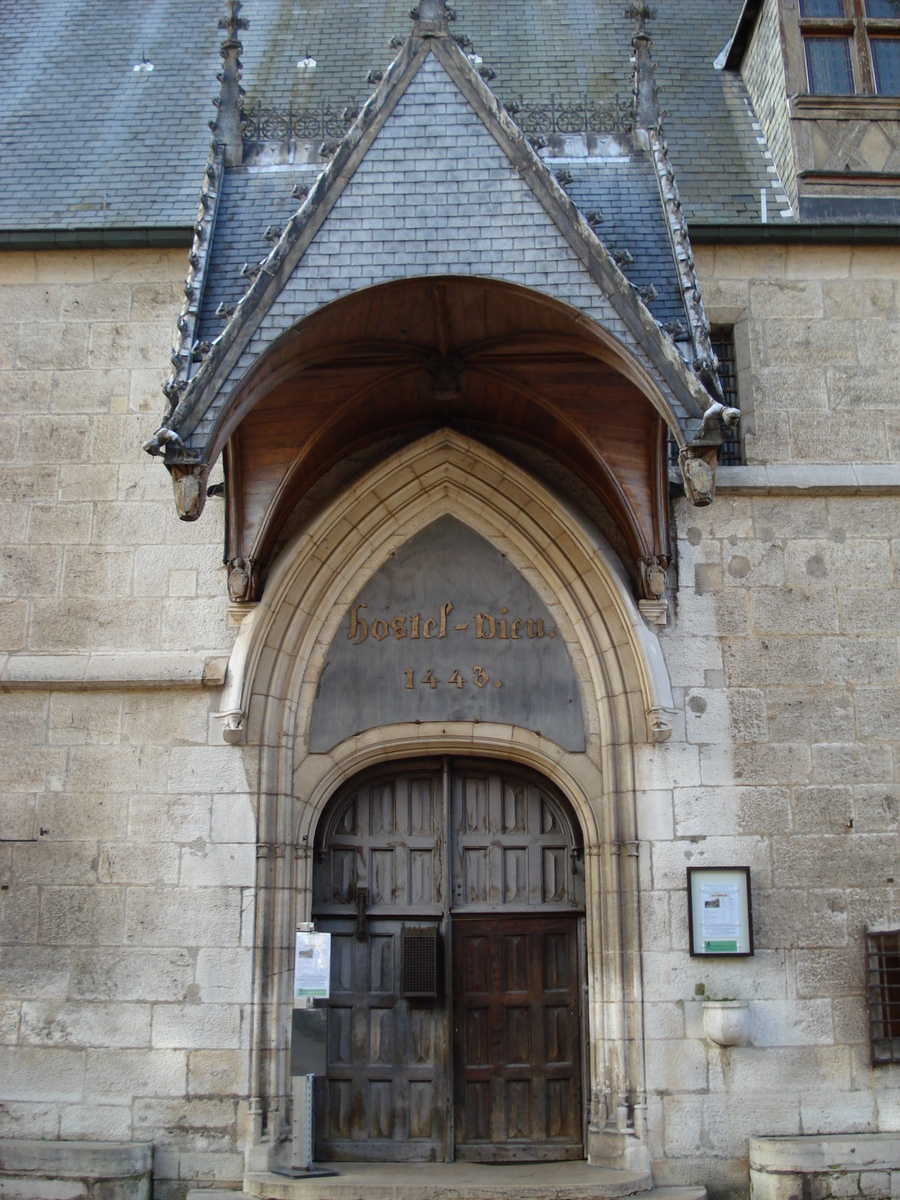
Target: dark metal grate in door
(418,963)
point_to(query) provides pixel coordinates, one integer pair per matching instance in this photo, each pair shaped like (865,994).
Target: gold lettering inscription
(484,621)
(480,678)
(503,627)
(358,624)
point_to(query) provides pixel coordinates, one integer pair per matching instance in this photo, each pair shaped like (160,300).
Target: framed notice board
(720,914)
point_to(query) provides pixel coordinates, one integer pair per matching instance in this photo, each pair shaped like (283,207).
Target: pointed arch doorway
(481,1058)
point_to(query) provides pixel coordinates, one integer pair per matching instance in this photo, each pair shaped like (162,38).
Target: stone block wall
(817,332)
(127,859)
(784,655)
(128,864)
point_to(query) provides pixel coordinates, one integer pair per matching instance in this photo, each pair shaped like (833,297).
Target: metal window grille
(418,963)
(723,343)
(883,983)
(730,453)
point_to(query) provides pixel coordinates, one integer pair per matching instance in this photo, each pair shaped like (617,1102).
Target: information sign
(312,966)
(719,911)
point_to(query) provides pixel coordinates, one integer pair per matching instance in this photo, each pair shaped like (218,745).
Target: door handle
(362,903)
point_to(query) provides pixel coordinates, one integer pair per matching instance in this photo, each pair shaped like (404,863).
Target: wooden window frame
(858,28)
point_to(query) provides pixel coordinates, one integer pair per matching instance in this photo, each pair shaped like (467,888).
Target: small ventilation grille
(418,963)
(883,978)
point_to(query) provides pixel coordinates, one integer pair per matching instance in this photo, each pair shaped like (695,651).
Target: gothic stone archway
(275,675)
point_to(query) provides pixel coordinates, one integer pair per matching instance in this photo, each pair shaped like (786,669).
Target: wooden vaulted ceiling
(399,360)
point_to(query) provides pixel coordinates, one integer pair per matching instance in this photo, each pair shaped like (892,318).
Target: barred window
(883,981)
(731,452)
(722,340)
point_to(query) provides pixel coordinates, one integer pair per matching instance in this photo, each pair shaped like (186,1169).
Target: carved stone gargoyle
(654,576)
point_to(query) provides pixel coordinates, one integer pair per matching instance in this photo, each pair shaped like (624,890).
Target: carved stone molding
(659,723)
(655,612)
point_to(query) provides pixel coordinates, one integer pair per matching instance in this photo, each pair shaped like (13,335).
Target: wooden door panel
(511,848)
(384,1093)
(517,1039)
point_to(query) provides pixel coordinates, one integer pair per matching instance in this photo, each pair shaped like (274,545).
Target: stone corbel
(243,580)
(654,576)
(232,725)
(698,470)
(189,486)
(659,723)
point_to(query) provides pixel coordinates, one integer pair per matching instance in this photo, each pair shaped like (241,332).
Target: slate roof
(570,48)
(89,143)
(625,192)
(86,141)
(252,201)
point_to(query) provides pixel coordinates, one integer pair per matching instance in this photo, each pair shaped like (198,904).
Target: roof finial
(646,104)
(228,123)
(431,17)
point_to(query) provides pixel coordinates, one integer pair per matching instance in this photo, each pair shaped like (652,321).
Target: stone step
(462,1181)
(60,1170)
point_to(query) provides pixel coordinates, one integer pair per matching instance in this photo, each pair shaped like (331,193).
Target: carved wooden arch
(495,360)
(273,677)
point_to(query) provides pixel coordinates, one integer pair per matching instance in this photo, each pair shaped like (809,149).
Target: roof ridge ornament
(227,126)
(431,18)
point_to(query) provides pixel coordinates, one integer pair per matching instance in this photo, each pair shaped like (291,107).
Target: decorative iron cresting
(268,123)
(572,117)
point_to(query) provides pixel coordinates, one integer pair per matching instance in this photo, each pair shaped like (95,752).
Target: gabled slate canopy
(597,386)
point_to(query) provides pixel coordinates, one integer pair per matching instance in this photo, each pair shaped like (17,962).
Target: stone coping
(826,1153)
(75,1160)
(810,478)
(77,672)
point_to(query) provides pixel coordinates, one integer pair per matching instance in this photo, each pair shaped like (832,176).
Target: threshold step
(464,1181)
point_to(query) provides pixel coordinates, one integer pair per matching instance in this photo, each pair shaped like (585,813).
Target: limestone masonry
(522,564)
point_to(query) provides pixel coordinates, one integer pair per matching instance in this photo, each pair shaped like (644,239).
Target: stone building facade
(419,388)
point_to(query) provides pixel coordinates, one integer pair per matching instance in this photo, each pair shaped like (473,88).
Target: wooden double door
(488,1065)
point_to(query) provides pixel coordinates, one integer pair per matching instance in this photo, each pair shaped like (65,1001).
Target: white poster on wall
(719,910)
(312,966)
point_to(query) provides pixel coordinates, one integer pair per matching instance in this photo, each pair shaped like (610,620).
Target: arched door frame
(626,699)
(441,780)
